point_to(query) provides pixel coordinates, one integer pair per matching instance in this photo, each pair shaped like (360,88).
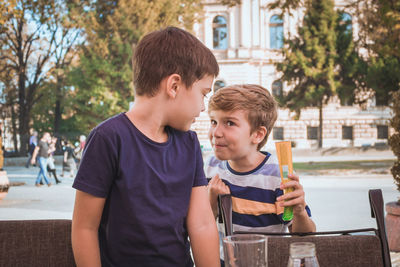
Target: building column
(208,31)
(245,23)
(233,29)
(255,27)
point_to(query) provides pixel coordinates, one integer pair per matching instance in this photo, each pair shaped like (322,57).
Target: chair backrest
(36,243)
(334,248)
(332,251)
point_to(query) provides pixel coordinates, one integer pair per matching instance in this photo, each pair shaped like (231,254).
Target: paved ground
(337,202)
(30,202)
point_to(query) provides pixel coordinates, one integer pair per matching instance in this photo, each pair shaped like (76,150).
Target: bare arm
(52,148)
(85,224)
(202,229)
(216,187)
(301,221)
(35,152)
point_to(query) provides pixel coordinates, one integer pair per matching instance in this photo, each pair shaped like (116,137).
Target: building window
(347,132)
(275,32)
(383,131)
(277,133)
(218,84)
(346,20)
(277,89)
(312,133)
(220,33)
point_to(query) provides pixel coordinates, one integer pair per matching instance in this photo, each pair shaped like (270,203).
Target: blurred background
(333,66)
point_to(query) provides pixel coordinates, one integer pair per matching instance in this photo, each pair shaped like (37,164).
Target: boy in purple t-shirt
(141,186)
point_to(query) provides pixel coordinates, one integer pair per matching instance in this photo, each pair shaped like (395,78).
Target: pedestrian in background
(51,168)
(79,149)
(42,153)
(69,163)
(32,145)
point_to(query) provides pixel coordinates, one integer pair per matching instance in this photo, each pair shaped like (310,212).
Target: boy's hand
(296,198)
(217,187)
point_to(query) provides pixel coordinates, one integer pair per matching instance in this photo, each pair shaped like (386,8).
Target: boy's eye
(230,123)
(213,122)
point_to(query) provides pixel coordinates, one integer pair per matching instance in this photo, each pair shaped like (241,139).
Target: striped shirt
(254,194)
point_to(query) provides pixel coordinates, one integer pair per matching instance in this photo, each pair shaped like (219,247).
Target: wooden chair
(352,248)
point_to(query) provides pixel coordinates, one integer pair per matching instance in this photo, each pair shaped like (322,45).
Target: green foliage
(230,3)
(394,140)
(379,35)
(28,44)
(322,60)
(383,76)
(102,79)
(351,69)
(309,58)
(285,5)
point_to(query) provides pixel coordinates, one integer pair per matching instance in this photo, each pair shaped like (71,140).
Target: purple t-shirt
(147,186)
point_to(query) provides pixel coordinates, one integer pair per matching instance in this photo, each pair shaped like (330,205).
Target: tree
(351,69)
(6,11)
(28,55)
(286,6)
(36,44)
(379,35)
(394,140)
(309,60)
(9,102)
(68,38)
(102,80)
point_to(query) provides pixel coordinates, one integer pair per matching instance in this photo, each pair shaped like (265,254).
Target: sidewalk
(26,201)
(343,154)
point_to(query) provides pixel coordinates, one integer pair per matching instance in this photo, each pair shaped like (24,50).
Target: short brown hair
(260,105)
(168,51)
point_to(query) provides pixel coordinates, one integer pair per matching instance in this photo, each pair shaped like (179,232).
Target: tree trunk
(58,107)
(23,124)
(14,128)
(24,132)
(57,117)
(320,125)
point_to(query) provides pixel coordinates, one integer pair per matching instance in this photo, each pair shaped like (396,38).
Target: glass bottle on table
(302,254)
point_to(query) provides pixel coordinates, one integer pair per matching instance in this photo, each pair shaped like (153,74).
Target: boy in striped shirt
(242,117)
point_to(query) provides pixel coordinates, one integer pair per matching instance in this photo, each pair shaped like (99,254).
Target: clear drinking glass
(302,254)
(245,250)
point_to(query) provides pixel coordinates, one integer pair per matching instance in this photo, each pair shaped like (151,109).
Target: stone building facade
(246,40)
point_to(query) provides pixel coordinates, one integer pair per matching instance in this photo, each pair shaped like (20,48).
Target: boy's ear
(259,134)
(173,84)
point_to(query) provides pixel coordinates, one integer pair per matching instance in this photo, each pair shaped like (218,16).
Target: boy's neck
(148,117)
(248,162)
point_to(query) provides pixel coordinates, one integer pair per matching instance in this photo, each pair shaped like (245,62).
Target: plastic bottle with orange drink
(284,153)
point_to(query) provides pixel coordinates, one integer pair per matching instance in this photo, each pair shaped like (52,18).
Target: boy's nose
(217,132)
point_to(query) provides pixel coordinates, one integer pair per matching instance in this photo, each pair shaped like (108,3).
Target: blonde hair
(260,105)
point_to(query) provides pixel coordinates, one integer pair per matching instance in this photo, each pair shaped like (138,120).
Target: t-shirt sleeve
(200,177)
(97,169)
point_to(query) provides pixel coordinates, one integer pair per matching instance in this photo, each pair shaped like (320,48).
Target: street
(336,202)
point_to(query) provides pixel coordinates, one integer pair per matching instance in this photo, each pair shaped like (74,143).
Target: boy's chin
(220,157)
